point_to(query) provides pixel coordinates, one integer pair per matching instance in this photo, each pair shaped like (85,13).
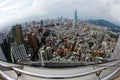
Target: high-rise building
(18,53)
(34,44)
(116,53)
(75,23)
(5,46)
(33,41)
(75,16)
(41,23)
(17,34)
(2,55)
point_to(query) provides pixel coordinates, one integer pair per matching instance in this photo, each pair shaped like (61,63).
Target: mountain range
(105,23)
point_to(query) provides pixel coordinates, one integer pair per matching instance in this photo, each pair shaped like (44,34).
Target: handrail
(5,76)
(65,76)
(109,77)
(59,76)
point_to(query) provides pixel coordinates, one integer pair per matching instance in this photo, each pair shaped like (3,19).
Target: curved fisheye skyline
(16,10)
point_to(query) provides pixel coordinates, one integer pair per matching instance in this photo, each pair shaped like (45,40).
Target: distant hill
(102,22)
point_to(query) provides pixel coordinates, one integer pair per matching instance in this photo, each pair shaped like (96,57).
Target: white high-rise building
(116,53)
(19,53)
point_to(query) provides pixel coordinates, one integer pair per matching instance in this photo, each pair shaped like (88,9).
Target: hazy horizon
(15,10)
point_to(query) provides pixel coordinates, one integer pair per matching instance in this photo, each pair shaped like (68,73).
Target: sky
(16,10)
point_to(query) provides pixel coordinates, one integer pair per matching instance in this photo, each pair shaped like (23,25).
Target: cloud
(8,9)
(20,9)
(11,10)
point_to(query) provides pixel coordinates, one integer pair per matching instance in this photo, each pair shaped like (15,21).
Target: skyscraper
(5,46)
(2,55)
(75,16)
(33,41)
(17,34)
(116,53)
(18,52)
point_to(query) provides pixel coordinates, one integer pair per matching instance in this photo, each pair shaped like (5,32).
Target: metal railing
(65,76)
(110,76)
(5,76)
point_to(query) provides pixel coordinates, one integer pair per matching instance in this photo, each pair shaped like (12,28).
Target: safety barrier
(64,76)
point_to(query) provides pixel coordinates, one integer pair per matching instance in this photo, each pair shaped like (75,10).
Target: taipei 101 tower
(75,16)
(75,19)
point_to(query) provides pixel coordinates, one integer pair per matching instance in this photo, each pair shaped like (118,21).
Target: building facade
(17,34)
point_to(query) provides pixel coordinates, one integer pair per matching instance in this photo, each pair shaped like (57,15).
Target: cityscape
(59,40)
